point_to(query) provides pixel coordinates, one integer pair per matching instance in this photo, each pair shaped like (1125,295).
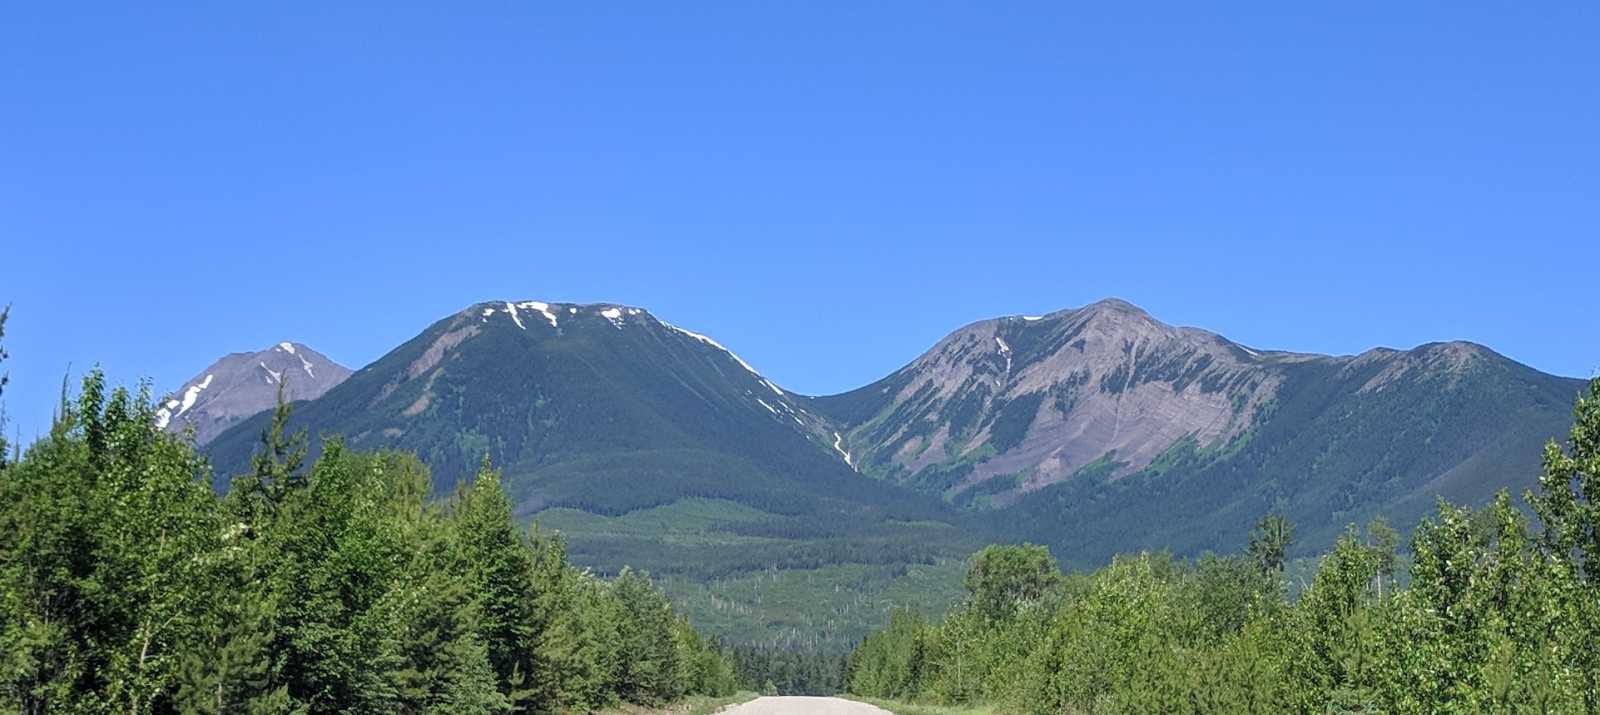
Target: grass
(692,705)
(900,708)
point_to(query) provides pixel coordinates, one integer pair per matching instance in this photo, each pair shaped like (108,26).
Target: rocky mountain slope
(1056,418)
(242,384)
(1034,400)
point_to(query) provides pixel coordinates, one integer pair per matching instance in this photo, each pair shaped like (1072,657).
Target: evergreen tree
(649,670)
(5,378)
(500,568)
(127,586)
(1269,542)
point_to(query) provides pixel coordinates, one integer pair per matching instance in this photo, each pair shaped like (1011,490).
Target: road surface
(804,706)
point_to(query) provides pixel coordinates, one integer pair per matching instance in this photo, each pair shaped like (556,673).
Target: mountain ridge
(1094,430)
(1105,387)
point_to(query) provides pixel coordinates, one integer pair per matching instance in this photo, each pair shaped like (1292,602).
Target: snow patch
(1002,343)
(838,446)
(770,408)
(543,308)
(614,315)
(193,393)
(736,358)
(286,347)
(1031,318)
(306,365)
(276,377)
(512,309)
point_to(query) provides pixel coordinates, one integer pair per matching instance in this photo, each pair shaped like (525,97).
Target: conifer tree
(500,567)
(5,378)
(1269,542)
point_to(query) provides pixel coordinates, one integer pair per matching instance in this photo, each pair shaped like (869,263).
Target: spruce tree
(500,569)
(5,378)
(1269,542)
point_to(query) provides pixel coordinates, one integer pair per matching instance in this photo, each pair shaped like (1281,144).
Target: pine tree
(5,378)
(229,668)
(276,468)
(1269,542)
(649,669)
(500,569)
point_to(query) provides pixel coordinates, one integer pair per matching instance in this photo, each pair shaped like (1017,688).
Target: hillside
(1102,429)
(646,445)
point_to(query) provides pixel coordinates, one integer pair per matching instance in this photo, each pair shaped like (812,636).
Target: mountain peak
(543,312)
(1115,305)
(242,384)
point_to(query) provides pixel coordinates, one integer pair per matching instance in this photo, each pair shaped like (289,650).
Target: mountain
(645,444)
(242,384)
(1102,429)
(773,516)
(564,394)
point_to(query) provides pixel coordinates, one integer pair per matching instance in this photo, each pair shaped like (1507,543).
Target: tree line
(1499,615)
(788,671)
(335,585)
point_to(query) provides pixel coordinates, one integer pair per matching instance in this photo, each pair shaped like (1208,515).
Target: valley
(781,519)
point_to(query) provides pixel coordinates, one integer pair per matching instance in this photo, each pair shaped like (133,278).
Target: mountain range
(1094,430)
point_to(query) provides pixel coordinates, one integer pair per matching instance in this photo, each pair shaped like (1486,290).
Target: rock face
(1035,400)
(243,384)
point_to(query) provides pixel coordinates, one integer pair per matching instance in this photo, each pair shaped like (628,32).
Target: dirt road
(804,706)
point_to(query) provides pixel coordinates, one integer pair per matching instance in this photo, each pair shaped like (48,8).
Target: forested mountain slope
(647,445)
(1102,429)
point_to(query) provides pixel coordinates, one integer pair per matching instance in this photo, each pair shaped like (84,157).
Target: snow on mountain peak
(542,307)
(165,413)
(730,353)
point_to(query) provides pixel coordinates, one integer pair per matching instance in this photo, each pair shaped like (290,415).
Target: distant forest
(1499,615)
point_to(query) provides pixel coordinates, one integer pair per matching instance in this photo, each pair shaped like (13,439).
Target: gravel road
(804,706)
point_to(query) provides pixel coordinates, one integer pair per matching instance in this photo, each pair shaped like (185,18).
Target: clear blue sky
(827,190)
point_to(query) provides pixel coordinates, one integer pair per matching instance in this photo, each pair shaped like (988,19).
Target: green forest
(1500,613)
(336,586)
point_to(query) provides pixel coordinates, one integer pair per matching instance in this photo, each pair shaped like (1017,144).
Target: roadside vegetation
(903,708)
(332,586)
(1499,615)
(692,705)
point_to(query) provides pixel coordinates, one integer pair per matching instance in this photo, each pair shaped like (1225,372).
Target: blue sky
(827,189)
